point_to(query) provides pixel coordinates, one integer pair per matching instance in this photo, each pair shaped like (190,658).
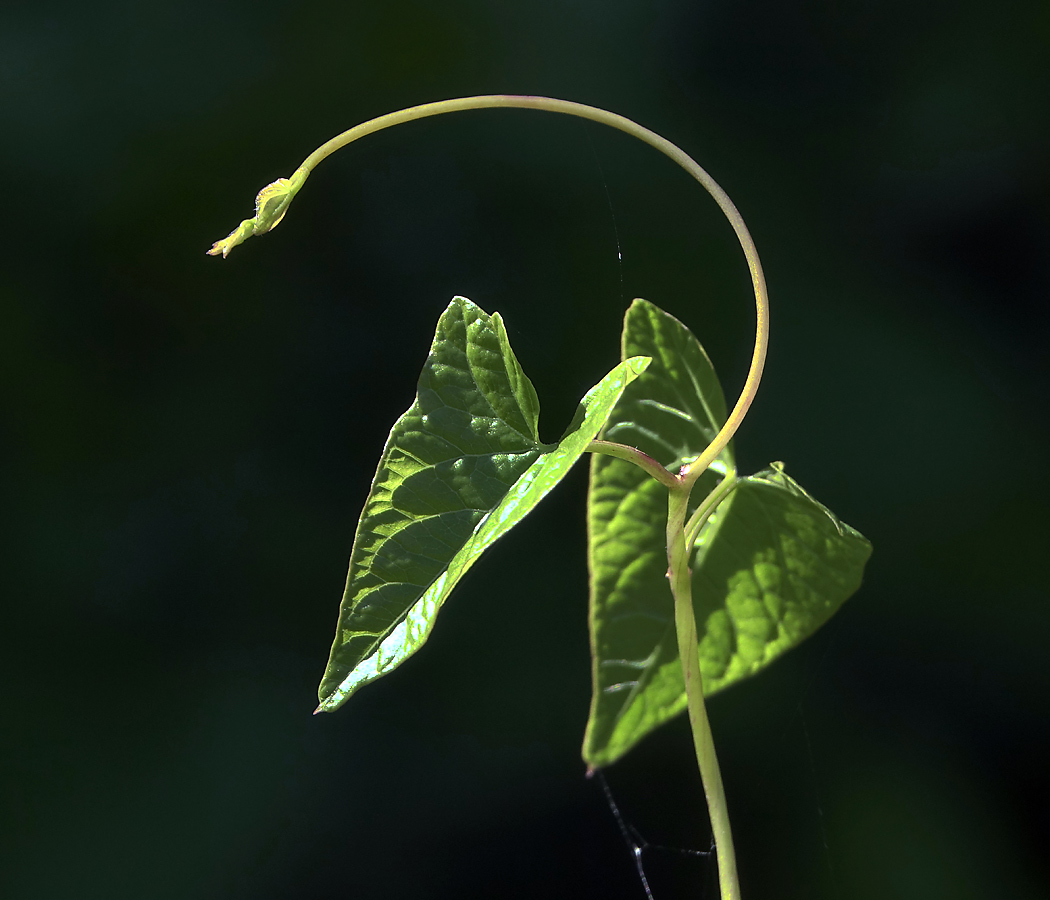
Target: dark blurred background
(189,440)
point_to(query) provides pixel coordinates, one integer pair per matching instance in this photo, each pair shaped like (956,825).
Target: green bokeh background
(188,441)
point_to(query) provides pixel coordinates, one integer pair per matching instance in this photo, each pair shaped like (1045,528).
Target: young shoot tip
(271,205)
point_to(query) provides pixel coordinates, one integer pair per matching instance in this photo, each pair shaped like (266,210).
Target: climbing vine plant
(699,576)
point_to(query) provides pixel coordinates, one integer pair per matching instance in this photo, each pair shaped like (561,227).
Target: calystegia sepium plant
(699,576)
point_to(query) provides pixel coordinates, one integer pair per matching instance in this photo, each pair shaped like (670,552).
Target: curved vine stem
(272,204)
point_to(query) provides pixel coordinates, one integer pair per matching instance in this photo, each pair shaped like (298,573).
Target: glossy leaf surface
(461,467)
(771,565)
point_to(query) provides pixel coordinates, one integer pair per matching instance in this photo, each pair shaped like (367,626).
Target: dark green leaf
(771,564)
(460,469)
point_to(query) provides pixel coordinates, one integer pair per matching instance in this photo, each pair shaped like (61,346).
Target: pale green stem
(703,512)
(695,469)
(689,654)
(633,455)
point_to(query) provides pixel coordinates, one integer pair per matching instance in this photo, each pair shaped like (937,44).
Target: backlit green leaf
(770,566)
(460,469)
(676,408)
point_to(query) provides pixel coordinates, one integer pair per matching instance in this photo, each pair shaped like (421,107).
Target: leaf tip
(638,364)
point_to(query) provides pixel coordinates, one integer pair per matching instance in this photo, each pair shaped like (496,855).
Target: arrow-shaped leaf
(771,565)
(461,467)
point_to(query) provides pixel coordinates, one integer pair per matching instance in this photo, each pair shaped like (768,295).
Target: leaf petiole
(707,507)
(633,455)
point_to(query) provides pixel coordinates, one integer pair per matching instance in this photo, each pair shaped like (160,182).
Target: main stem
(688,652)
